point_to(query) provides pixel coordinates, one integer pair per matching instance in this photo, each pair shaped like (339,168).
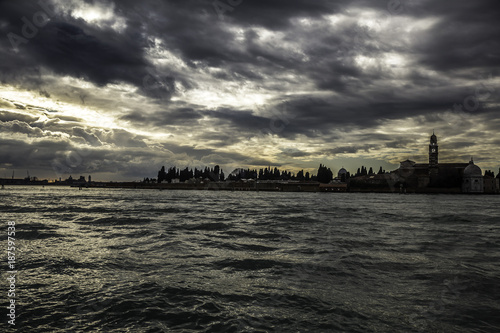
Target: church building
(441,177)
(473,181)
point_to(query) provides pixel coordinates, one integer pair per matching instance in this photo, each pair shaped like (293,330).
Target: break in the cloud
(119,88)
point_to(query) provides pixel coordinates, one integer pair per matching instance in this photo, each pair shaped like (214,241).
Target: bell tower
(433,151)
(433,155)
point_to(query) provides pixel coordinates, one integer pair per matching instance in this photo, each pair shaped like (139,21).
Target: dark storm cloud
(63,148)
(333,69)
(350,149)
(120,138)
(239,119)
(311,117)
(291,152)
(178,116)
(275,14)
(334,76)
(19,153)
(71,47)
(246,124)
(467,36)
(62,158)
(56,156)
(90,138)
(219,138)
(205,154)
(67,49)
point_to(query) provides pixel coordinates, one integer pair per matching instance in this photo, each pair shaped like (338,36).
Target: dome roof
(341,171)
(472,170)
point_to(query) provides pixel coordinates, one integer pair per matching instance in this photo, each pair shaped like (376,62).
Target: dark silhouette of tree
(216,174)
(276,174)
(162,175)
(325,175)
(172,174)
(186,174)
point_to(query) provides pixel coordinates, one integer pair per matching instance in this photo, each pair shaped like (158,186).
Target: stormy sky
(117,89)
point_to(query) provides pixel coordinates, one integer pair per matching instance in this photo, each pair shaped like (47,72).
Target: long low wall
(254,186)
(221,186)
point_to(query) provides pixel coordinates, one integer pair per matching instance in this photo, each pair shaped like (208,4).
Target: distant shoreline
(310,187)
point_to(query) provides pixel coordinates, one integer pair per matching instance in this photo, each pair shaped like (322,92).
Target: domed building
(472,179)
(432,176)
(342,175)
(439,177)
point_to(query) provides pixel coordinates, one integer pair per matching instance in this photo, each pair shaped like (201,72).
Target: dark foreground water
(178,261)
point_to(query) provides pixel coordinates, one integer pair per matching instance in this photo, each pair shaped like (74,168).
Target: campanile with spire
(433,157)
(433,151)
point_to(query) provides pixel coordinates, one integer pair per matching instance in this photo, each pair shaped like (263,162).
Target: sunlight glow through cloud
(100,14)
(353,82)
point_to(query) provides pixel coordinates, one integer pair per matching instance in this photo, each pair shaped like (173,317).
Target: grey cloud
(350,149)
(21,154)
(307,61)
(178,116)
(120,138)
(72,47)
(293,152)
(465,36)
(6,104)
(89,137)
(10,116)
(17,126)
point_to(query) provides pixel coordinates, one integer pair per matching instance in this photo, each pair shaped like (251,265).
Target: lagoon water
(116,260)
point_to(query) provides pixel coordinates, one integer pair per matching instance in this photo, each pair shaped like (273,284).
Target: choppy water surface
(117,260)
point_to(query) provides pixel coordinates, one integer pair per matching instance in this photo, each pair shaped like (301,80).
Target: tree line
(213,174)
(363,172)
(324,174)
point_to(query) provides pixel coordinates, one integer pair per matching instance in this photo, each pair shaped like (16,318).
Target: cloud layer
(291,83)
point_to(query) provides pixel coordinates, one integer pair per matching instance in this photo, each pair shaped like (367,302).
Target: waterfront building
(446,177)
(343,175)
(473,181)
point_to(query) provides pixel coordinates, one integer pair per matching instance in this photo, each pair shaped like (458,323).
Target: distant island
(410,177)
